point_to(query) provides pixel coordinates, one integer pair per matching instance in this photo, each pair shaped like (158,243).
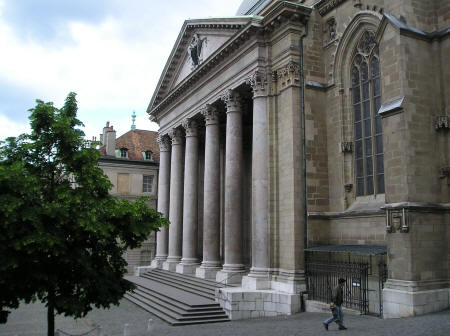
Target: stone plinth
(208,273)
(255,283)
(170,266)
(229,277)
(186,268)
(405,302)
(244,304)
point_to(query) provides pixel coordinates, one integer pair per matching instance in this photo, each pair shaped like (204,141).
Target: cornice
(180,47)
(283,11)
(326,6)
(406,30)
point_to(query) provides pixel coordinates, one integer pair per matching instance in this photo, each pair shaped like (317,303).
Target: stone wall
(347,230)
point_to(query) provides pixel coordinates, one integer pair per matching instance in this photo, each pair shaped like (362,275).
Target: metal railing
(322,278)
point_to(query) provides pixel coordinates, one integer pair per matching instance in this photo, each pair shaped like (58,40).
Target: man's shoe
(341,327)
(325,326)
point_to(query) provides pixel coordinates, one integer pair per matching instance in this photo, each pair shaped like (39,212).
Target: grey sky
(110,52)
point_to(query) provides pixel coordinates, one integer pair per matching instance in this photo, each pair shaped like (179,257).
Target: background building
(303,141)
(131,163)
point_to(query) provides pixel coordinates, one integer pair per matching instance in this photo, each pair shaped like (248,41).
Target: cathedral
(302,141)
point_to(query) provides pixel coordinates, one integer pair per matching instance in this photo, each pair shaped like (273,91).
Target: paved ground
(30,320)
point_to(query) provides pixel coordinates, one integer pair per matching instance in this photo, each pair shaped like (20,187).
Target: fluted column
(189,260)
(258,277)
(176,200)
(211,204)
(163,199)
(233,267)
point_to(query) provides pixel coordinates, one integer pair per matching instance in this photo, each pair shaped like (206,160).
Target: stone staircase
(176,298)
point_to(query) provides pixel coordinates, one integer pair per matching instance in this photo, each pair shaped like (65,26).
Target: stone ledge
(244,304)
(397,303)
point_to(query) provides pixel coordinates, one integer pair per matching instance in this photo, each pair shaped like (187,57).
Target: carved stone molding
(288,75)
(328,5)
(163,142)
(211,114)
(191,127)
(232,99)
(258,82)
(177,136)
(397,220)
(442,122)
(346,146)
(330,31)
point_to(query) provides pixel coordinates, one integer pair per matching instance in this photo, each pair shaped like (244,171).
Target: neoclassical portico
(232,123)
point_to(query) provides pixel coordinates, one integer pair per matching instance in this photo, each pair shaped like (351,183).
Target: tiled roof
(136,142)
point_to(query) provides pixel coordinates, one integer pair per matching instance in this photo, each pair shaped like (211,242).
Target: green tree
(62,235)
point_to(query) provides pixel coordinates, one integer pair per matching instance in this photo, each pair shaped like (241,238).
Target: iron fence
(323,276)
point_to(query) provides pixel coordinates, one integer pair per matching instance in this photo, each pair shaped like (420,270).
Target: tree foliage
(62,234)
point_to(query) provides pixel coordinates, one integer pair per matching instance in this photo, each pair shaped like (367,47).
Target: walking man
(337,299)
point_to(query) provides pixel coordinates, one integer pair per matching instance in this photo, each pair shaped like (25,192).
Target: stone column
(211,212)
(163,199)
(176,200)
(189,261)
(258,278)
(233,267)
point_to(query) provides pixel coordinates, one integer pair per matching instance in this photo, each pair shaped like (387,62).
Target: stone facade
(247,192)
(132,177)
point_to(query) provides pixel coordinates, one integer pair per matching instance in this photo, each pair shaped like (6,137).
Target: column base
(411,298)
(207,272)
(252,282)
(289,281)
(230,277)
(186,269)
(157,263)
(171,264)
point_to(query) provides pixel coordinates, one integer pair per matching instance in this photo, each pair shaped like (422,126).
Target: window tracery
(366,92)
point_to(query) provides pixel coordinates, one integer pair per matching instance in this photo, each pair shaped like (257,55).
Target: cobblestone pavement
(30,320)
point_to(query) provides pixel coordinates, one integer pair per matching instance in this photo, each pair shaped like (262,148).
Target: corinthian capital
(163,142)
(190,126)
(258,82)
(289,75)
(232,99)
(177,136)
(211,114)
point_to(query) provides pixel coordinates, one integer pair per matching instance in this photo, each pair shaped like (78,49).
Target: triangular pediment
(197,41)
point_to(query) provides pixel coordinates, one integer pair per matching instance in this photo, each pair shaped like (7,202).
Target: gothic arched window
(366,90)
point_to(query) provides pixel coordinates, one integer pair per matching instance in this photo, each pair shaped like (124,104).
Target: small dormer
(122,153)
(148,155)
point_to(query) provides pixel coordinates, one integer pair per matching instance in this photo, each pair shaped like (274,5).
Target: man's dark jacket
(338,295)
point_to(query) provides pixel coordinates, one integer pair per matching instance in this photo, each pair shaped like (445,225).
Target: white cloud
(112,72)
(10,128)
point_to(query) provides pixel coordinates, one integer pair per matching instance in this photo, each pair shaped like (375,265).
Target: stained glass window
(368,135)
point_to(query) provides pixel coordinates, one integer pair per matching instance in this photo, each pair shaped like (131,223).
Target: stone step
(172,303)
(170,291)
(164,300)
(173,320)
(189,278)
(180,283)
(175,308)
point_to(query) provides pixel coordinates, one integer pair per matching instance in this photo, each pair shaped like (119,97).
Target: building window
(148,155)
(147,183)
(366,92)
(123,153)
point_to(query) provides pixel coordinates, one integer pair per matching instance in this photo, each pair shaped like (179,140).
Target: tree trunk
(51,314)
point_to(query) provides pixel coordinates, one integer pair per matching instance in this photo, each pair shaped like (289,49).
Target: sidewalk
(30,320)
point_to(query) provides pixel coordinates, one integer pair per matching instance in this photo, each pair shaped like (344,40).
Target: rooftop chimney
(110,140)
(103,135)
